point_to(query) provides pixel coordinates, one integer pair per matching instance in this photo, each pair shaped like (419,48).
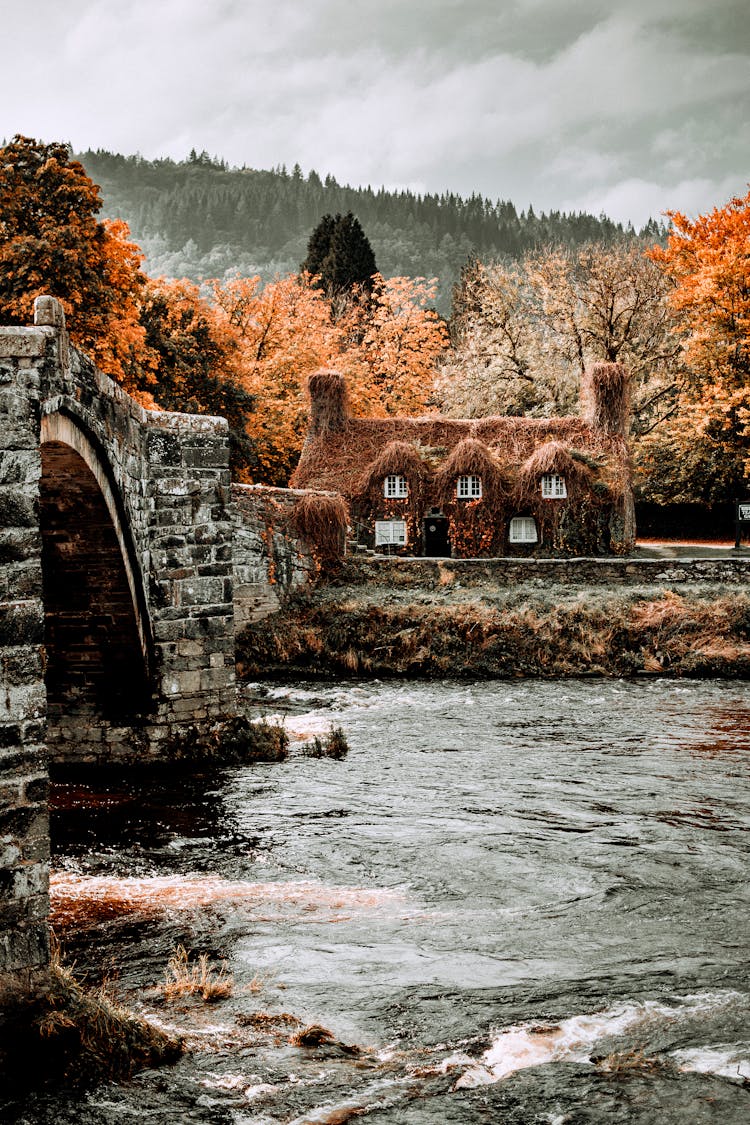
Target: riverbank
(508,618)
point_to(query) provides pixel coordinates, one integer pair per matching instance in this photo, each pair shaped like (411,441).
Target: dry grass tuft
(197,979)
(333,745)
(264,1020)
(79,1037)
(632,1063)
(315,1035)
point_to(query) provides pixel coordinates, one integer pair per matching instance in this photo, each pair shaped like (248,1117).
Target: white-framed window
(395,487)
(553,487)
(469,487)
(391,533)
(523,530)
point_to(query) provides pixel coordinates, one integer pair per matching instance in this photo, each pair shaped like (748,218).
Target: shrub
(333,745)
(241,740)
(195,979)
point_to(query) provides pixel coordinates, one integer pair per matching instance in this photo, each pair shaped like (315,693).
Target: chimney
(329,403)
(605,397)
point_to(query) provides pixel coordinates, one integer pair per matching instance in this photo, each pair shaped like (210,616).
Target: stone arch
(97,628)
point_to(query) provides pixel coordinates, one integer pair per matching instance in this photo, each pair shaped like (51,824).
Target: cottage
(479,487)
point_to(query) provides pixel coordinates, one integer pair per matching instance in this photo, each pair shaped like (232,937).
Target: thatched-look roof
(470,458)
(342,453)
(398,457)
(552,457)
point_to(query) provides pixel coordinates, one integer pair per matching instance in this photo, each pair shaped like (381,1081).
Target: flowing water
(523,902)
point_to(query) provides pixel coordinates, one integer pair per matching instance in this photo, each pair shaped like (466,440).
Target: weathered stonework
(24,832)
(545,573)
(270,558)
(116,595)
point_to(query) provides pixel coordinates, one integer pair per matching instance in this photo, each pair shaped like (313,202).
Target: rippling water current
(524,902)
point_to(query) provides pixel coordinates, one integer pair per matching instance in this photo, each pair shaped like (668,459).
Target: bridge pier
(116,597)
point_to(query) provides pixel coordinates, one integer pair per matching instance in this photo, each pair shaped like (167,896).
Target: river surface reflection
(525,902)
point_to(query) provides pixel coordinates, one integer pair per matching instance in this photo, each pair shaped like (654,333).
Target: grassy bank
(77,1037)
(483,632)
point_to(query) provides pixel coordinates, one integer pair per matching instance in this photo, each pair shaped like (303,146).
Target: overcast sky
(625,107)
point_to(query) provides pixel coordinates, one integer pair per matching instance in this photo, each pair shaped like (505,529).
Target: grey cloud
(581,104)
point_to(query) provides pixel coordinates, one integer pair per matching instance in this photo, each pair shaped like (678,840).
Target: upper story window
(553,487)
(469,487)
(523,530)
(395,487)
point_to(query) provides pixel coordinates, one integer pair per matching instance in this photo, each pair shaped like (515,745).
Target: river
(523,902)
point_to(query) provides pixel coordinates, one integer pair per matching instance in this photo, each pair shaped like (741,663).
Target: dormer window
(469,487)
(395,487)
(553,487)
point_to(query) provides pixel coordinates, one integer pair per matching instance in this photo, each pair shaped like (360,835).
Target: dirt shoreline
(447,624)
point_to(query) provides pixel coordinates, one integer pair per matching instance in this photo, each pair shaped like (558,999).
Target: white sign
(743,512)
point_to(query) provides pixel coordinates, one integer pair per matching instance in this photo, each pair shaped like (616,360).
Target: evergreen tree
(339,252)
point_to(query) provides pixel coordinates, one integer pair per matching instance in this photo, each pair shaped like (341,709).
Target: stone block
(18,506)
(19,544)
(23,701)
(22,622)
(21,580)
(21,664)
(10,734)
(20,467)
(17,342)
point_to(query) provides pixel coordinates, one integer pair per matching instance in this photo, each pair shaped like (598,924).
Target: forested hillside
(199,218)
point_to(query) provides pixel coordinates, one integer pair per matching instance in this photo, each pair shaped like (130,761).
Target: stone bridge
(117,612)
(116,608)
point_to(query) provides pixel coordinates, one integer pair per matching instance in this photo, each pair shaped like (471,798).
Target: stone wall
(424,573)
(270,559)
(24,836)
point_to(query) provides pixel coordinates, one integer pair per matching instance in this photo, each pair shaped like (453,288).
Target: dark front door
(436,542)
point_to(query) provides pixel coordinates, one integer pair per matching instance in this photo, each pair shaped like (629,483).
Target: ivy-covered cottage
(478,487)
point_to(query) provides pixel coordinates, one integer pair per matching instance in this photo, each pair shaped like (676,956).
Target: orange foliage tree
(385,344)
(194,363)
(284,333)
(392,341)
(52,242)
(704,453)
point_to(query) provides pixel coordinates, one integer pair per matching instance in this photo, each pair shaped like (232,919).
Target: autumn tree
(391,344)
(194,364)
(494,365)
(52,242)
(339,255)
(704,453)
(385,345)
(285,332)
(526,333)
